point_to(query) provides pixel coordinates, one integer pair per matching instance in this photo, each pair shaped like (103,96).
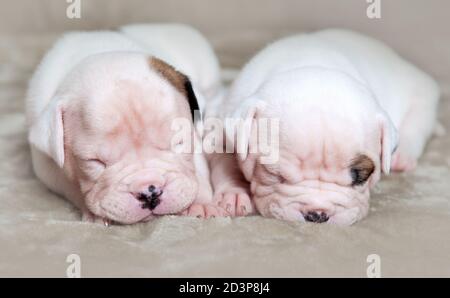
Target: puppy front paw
(92,218)
(200,210)
(236,201)
(403,162)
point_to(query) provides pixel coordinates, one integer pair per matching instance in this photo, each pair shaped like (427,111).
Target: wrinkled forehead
(326,139)
(132,109)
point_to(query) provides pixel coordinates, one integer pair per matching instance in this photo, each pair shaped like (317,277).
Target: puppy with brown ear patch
(100,109)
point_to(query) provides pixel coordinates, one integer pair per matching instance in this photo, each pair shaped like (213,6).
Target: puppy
(99,111)
(348,108)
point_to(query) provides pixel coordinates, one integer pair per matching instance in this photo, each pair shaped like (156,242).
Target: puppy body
(99,110)
(344,102)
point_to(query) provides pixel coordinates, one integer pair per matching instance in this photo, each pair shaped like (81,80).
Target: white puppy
(99,110)
(344,102)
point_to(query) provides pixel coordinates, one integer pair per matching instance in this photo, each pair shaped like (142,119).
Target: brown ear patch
(176,78)
(179,80)
(360,169)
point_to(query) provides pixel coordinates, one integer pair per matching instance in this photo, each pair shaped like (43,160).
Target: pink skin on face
(118,146)
(312,181)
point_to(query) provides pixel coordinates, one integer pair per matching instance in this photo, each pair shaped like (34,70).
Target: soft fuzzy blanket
(408,225)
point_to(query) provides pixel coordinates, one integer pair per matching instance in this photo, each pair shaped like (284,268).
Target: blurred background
(408,224)
(418,29)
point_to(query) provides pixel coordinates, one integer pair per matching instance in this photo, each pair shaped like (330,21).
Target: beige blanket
(408,225)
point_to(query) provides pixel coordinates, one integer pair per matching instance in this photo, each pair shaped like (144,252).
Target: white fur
(395,82)
(347,76)
(179,45)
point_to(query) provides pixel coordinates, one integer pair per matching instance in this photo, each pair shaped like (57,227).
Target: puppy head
(111,133)
(334,140)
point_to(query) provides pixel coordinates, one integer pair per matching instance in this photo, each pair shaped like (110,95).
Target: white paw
(235,201)
(402,162)
(90,217)
(204,211)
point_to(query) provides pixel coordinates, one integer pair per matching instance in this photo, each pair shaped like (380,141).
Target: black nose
(150,199)
(313,216)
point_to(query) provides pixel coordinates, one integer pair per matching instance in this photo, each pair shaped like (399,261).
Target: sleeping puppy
(99,110)
(348,108)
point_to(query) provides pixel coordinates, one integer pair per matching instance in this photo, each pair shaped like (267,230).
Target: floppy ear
(238,129)
(196,103)
(47,133)
(178,80)
(389,141)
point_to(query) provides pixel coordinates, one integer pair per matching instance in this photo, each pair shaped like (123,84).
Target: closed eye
(97,162)
(281,179)
(93,167)
(273,175)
